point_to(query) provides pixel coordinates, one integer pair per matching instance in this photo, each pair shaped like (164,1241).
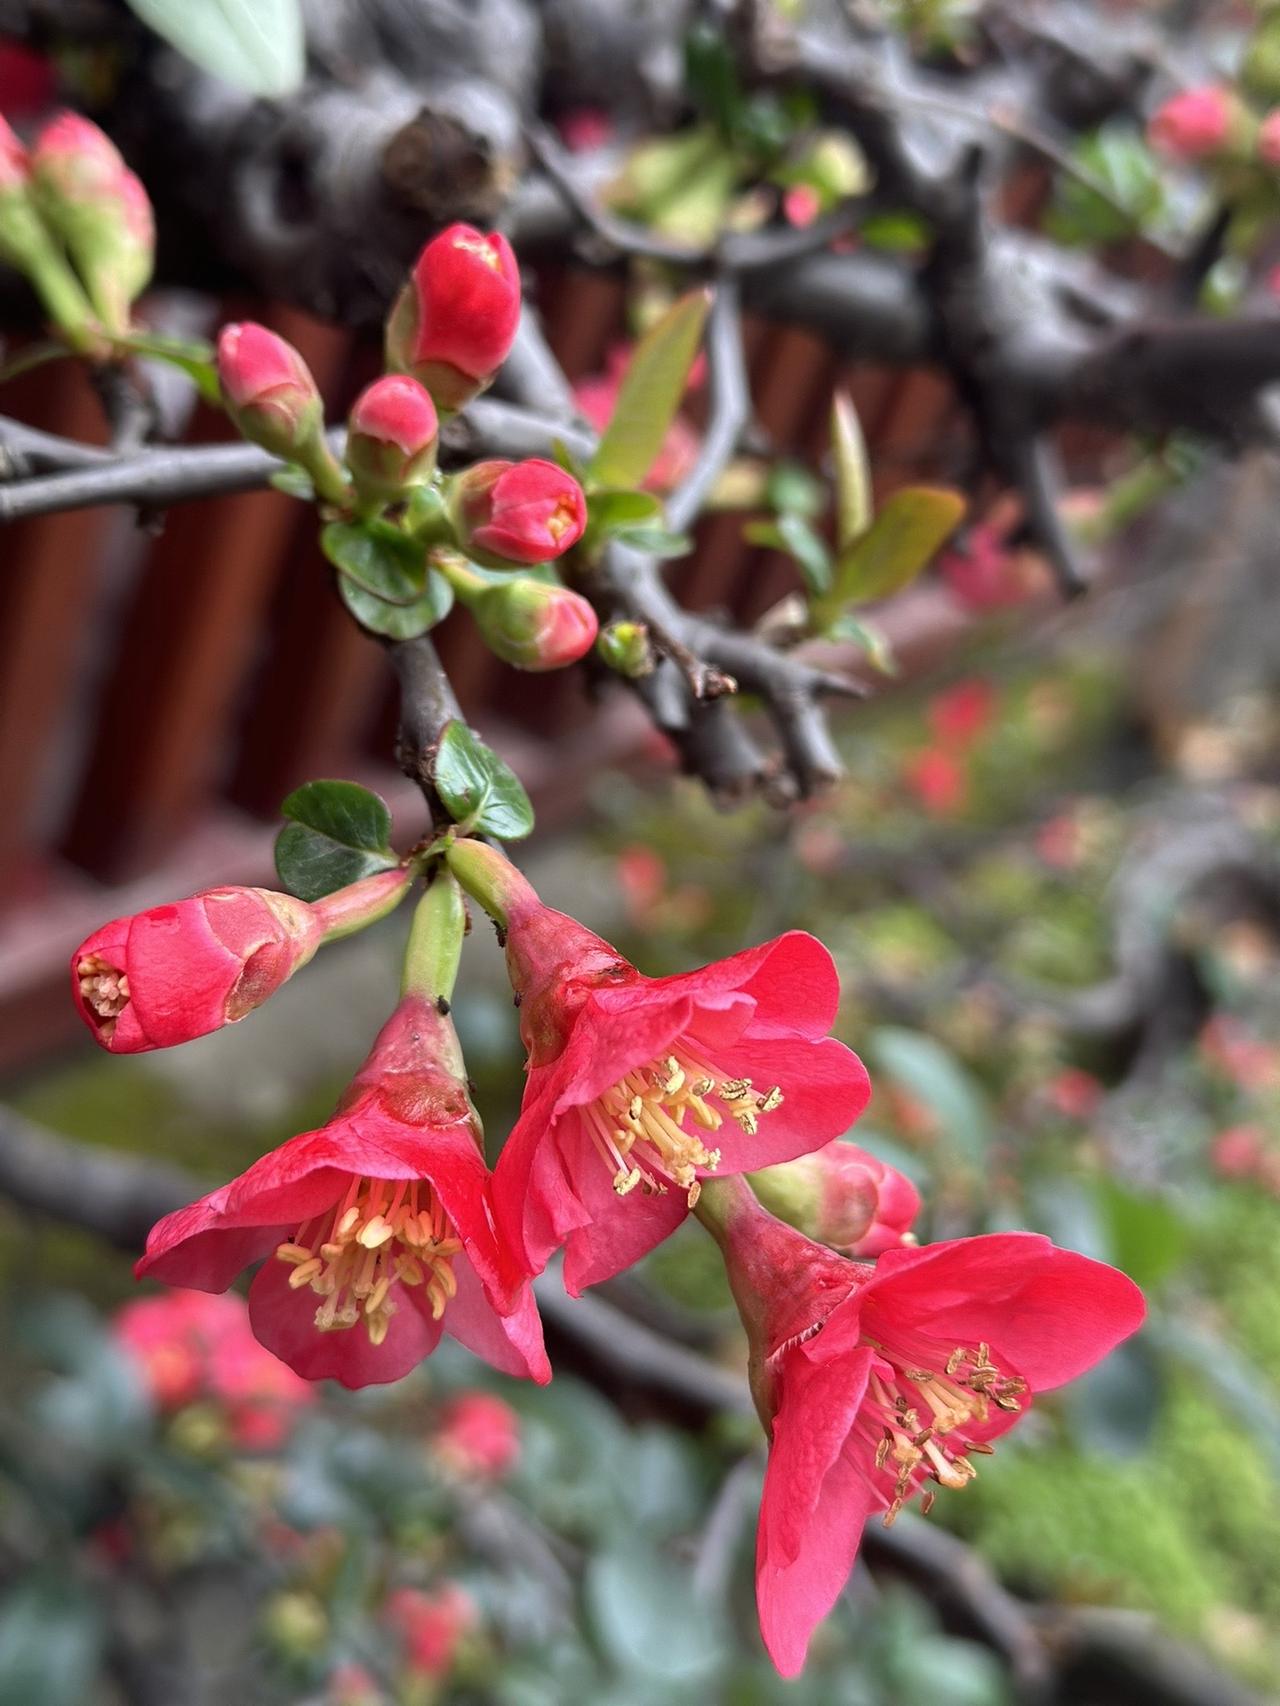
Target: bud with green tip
(626,647)
(392,436)
(27,244)
(100,210)
(270,394)
(530,624)
(842,1196)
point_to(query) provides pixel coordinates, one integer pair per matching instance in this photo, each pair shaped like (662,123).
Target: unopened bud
(516,512)
(27,244)
(534,625)
(455,320)
(268,389)
(392,437)
(843,1197)
(1195,124)
(101,212)
(626,647)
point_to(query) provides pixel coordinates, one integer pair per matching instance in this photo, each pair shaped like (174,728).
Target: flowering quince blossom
(478,1436)
(639,1087)
(876,1383)
(842,1196)
(431,1625)
(454,322)
(517,512)
(176,972)
(377,1228)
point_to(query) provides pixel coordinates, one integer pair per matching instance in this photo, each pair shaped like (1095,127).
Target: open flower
(879,1383)
(377,1229)
(640,1087)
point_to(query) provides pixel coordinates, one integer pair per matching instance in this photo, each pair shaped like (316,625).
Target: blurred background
(1051,881)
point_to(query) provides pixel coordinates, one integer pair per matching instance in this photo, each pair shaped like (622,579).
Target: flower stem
(359,904)
(491,880)
(435,941)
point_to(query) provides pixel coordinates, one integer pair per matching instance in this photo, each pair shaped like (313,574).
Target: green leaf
(384,580)
(1148,1236)
(613,513)
(33,356)
(256,45)
(650,394)
(656,541)
(790,486)
(873,640)
(793,534)
(478,788)
(294,482)
(1119,161)
(638,1602)
(339,832)
(711,77)
(901,540)
(897,230)
(853,475)
(924,1069)
(50,1639)
(192,356)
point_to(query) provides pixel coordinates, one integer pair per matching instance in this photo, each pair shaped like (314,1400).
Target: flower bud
(625,646)
(176,972)
(516,512)
(455,320)
(478,1437)
(1269,140)
(1194,124)
(842,1197)
(268,389)
(99,209)
(532,625)
(392,437)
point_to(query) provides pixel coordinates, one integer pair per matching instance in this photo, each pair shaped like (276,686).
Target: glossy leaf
(902,540)
(478,788)
(853,474)
(384,580)
(650,394)
(338,833)
(256,45)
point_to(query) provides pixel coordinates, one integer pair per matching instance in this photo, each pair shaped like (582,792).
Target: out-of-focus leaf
(1237,1384)
(256,45)
(338,833)
(1148,1236)
(853,474)
(50,1639)
(711,76)
(897,230)
(1114,1408)
(1119,161)
(477,787)
(874,642)
(902,539)
(639,1603)
(294,482)
(790,486)
(650,394)
(793,534)
(926,1070)
(191,356)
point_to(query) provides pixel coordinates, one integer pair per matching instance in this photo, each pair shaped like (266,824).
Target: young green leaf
(610,513)
(873,640)
(853,475)
(650,394)
(256,45)
(478,788)
(384,580)
(792,533)
(191,356)
(338,832)
(901,540)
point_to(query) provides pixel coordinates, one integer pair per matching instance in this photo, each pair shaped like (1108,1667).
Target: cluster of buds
(78,223)
(1213,125)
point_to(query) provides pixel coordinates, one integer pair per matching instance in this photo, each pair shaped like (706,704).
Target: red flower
(431,1625)
(383,1215)
(534,625)
(844,1197)
(517,512)
(984,575)
(176,972)
(960,714)
(877,1382)
(938,781)
(392,434)
(478,1436)
(455,320)
(639,1087)
(1193,124)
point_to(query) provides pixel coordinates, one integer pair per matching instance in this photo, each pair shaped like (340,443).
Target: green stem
(491,880)
(347,910)
(722,1201)
(326,472)
(467,584)
(435,941)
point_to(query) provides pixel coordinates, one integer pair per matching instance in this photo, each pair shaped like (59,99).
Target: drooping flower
(377,1228)
(179,971)
(844,1197)
(879,1383)
(478,1436)
(640,1087)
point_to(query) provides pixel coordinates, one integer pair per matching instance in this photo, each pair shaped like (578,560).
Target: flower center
(921,1418)
(562,518)
(383,1231)
(104,989)
(638,1126)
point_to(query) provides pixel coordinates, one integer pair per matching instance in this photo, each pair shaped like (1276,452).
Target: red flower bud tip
(517,512)
(392,436)
(478,1436)
(99,209)
(268,389)
(844,1197)
(431,1626)
(1192,125)
(1269,140)
(176,972)
(876,1384)
(533,625)
(640,1088)
(379,1226)
(455,320)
